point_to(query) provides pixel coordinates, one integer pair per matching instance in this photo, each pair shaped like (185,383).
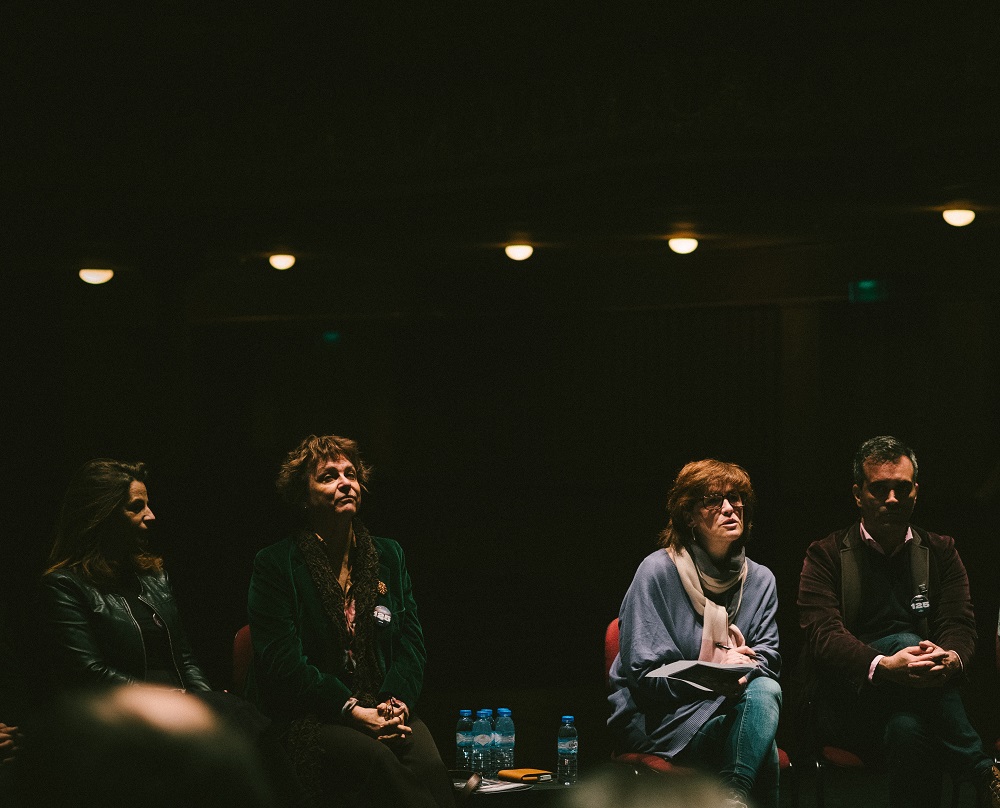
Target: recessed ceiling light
(96,276)
(958,218)
(518,252)
(683,246)
(281,261)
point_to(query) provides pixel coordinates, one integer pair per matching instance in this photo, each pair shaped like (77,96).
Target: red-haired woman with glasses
(700,598)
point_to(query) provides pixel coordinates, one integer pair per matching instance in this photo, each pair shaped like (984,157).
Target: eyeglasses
(714,501)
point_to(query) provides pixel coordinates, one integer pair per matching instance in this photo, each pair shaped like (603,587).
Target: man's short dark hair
(883,449)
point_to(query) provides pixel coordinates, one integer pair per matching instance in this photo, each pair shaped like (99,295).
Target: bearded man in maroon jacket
(890,633)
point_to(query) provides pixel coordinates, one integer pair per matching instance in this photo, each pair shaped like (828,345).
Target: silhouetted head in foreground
(137,745)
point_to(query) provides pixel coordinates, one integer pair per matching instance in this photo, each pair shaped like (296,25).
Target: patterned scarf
(360,650)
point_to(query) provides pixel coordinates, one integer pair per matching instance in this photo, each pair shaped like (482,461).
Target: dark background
(525,419)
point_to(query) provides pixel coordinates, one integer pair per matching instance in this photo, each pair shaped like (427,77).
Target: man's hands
(386,722)
(923,665)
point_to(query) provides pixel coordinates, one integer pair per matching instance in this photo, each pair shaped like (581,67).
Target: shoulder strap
(920,570)
(850,577)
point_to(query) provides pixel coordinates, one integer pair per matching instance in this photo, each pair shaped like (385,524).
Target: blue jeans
(738,744)
(920,733)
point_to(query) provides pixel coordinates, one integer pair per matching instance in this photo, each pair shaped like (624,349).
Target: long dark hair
(91,527)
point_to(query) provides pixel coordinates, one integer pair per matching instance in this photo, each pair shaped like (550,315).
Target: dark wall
(522,459)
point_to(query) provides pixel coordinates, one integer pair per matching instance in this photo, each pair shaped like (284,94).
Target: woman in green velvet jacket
(338,648)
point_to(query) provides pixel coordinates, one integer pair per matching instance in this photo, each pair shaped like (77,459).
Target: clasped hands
(386,721)
(923,665)
(9,737)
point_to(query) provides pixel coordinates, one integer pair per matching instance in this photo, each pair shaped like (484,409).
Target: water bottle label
(484,740)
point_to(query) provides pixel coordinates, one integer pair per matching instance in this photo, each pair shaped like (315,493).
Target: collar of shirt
(866,537)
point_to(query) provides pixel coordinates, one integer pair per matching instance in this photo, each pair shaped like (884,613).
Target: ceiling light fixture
(683,246)
(958,217)
(518,252)
(281,260)
(96,276)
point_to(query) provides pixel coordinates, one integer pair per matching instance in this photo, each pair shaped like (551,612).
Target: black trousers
(363,771)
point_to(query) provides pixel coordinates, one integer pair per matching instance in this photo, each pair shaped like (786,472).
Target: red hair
(694,481)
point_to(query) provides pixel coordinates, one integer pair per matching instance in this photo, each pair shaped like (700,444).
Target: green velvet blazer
(298,659)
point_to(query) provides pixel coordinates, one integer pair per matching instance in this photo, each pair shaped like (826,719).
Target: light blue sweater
(659,625)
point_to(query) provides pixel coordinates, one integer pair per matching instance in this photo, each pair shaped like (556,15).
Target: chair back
(242,659)
(611,641)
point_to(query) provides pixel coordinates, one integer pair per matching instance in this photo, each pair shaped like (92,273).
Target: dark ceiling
(183,142)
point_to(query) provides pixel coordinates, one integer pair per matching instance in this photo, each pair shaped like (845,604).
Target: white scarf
(716,630)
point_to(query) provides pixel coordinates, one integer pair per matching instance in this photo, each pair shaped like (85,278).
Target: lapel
(850,575)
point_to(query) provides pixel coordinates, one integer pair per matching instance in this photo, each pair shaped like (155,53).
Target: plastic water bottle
(482,744)
(492,769)
(463,740)
(568,745)
(504,736)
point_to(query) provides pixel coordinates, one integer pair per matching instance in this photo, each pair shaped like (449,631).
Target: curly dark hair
(303,459)
(694,481)
(879,450)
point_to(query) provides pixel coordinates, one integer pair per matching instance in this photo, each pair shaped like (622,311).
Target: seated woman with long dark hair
(109,613)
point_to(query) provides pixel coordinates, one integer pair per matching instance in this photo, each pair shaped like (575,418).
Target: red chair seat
(783,761)
(653,763)
(836,756)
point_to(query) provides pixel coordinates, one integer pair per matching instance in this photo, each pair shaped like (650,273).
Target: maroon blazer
(829,640)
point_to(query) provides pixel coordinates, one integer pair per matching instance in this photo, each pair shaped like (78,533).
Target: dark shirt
(886,590)
(160,667)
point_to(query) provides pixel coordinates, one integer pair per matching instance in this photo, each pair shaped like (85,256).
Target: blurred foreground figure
(137,745)
(618,786)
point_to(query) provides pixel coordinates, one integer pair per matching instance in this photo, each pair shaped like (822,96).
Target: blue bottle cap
(567,719)
(465,713)
(503,711)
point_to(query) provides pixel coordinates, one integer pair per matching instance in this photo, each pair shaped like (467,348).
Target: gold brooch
(382,588)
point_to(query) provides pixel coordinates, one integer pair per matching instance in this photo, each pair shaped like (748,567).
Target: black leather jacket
(93,638)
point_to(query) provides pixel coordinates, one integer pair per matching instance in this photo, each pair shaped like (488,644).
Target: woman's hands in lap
(382,722)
